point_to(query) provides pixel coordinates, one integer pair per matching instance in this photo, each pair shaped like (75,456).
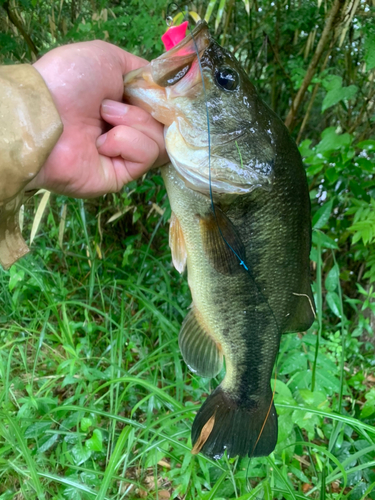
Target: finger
(131,145)
(117,113)
(117,172)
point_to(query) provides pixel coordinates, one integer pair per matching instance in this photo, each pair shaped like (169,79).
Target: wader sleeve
(30,126)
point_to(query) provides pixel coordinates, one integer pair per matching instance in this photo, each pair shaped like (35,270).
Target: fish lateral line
(208,427)
(241,261)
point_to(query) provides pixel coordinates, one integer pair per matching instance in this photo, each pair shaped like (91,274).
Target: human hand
(86,83)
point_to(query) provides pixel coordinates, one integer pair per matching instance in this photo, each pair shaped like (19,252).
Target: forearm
(29,128)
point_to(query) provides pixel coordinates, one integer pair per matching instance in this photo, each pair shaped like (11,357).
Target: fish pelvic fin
(244,429)
(177,244)
(200,351)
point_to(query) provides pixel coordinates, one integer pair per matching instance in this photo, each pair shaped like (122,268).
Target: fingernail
(101,140)
(114,108)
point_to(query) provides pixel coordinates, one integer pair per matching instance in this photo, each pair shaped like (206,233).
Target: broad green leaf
(295,362)
(304,148)
(325,380)
(332,82)
(332,174)
(315,169)
(302,380)
(306,420)
(86,423)
(333,278)
(334,304)
(323,240)
(351,421)
(37,429)
(48,444)
(369,144)
(358,491)
(95,443)
(156,454)
(314,398)
(285,425)
(322,216)
(370,51)
(80,454)
(369,407)
(16,276)
(332,141)
(336,92)
(282,389)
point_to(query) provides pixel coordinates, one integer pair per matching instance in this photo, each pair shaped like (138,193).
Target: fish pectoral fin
(221,243)
(200,351)
(177,244)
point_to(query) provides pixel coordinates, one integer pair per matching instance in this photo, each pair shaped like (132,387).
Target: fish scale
(245,202)
(249,340)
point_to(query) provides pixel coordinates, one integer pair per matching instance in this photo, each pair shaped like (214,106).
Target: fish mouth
(174,61)
(173,74)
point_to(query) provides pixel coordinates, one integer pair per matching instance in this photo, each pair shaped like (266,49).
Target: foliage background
(95,401)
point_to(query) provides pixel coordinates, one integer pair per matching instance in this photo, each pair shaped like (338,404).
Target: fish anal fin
(221,243)
(177,244)
(199,349)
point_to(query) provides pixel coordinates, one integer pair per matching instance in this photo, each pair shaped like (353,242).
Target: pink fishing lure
(174,35)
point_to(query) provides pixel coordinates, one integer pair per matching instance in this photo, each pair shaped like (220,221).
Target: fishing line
(241,261)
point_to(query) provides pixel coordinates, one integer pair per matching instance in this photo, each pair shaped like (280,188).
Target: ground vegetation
(95,400)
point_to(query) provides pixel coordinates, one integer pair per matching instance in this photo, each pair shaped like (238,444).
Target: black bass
(241,224)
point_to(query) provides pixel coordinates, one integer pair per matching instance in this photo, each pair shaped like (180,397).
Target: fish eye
(227,78)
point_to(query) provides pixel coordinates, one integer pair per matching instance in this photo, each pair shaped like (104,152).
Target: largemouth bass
(241,224)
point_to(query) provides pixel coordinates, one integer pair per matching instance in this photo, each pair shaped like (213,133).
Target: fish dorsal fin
(217,232)
(177,244)
(200,351)
(302,311)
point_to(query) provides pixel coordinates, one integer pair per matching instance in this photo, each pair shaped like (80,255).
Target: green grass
(96,402)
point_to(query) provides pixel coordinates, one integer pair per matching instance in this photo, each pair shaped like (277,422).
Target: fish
(241,226)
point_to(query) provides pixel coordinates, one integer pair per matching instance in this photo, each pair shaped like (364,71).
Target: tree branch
(14,20)
(326,34)
(313,95)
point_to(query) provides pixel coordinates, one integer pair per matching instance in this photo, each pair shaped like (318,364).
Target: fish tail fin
(242,428)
